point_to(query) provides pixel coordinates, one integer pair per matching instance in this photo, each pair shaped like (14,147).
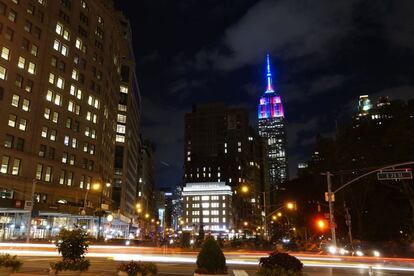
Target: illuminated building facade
(60,76)
(207,204)
(272,128)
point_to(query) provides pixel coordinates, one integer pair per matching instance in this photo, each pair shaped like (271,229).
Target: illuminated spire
(269,87)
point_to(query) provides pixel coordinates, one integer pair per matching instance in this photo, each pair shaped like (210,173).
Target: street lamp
(290,205)
(246,223)
(98,186)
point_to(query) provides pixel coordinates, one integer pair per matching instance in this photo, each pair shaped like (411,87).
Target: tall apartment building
(61,71)
(272,128)
(220,146)
(128,147)
(146,185)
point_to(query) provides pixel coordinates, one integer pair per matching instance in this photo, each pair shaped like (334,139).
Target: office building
(207,205)
(220,146)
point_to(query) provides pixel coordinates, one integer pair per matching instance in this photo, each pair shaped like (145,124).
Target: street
(170,261)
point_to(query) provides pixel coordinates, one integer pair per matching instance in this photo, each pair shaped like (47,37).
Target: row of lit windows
(17,102)
(206,205)
(8,167)
(29,66)
(59,82)
(206,220)
(206,198)
(19,123)
(207,212)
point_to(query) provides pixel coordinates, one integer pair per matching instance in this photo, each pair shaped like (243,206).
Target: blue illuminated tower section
(272,128)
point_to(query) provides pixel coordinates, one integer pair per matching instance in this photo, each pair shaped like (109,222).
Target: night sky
(325,54)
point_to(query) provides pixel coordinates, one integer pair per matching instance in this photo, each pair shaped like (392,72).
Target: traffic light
(321,224)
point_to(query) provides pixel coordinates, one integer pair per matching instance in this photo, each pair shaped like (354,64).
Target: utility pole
(265,217)
(331,211)
(349,224)
(29,216)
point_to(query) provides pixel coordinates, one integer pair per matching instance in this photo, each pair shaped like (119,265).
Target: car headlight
(342,251)
(332,249)
(359,253)
(376,253)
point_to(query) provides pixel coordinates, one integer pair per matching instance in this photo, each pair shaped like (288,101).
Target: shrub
(133,268)
(280,264)
(210,259)
(68,264)
(9,261)
(72,245)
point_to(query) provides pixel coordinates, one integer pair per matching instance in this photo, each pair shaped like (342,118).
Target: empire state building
(272,128)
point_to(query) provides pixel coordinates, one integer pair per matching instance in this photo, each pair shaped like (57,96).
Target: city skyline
(325,54)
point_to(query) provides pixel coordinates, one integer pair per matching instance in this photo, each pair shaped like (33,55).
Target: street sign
(6,195)
(327,197)
(395,175)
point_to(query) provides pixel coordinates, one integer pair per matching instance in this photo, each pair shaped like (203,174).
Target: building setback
(220,146)
(272,128)
(61,70)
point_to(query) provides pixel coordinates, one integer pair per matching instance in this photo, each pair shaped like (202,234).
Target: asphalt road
(104,259)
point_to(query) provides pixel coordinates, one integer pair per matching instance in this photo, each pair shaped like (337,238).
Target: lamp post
(98,186)
(29,217)
(289,205)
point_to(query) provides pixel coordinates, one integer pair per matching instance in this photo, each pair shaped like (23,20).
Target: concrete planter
(5,271)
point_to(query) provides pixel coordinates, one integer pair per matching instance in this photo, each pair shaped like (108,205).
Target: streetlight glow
(290,206)
(279,214)
(96,186)
(245,189)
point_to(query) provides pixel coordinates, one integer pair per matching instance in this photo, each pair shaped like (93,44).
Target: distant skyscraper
(272,127)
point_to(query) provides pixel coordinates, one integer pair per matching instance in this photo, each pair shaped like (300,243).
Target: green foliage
(68,264)
(210,259)
(72,244)
(133,268)
(280,263)
(9,261)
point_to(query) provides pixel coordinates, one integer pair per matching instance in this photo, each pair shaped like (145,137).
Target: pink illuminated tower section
(270,105)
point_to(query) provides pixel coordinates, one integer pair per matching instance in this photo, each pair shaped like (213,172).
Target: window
(44,131)
(42,151)
(9,33)
(20,144)
(52,136)
(5,53)
(48,174)
(122,107)
(28,26)
(21,63)
(120,129)
(28,86)
(23,124)
(124,89)
(12,120)
(4,164)
(12,16)
(8,142)
(32,68)
(65,158)
(120,138)
(39,171)
(3,73)
(205,198)
(16,166)
(121,119)
(46,114)
(75,74)
(55,117)
(69,179)
(62,177)
(26,105)
(19,81)
(15,100)
(66,141)
(34,50)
